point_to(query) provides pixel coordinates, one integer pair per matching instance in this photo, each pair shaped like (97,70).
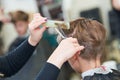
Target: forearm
(51,69)
(48,72)
(15,60)
(57,61)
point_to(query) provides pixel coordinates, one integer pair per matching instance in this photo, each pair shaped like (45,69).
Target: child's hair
(91,34)
(19,16)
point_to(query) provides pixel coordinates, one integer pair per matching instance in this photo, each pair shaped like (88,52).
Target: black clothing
(16,43)
(35,63)
(1,40)
(51,72)
(15,60)
(114,20)
(1,25)
(48,72)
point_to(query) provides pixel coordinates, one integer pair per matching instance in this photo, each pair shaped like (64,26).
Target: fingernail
(45,19)
(82,47)
(45,27)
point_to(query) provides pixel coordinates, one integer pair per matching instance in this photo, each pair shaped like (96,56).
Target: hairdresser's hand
(3,18)
(66,49)
(35,31)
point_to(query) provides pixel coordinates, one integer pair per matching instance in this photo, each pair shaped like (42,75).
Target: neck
(88,65)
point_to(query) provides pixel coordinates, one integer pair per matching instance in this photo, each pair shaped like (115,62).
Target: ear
(73,59)
(76,56)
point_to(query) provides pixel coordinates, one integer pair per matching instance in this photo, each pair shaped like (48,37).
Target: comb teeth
(54,24)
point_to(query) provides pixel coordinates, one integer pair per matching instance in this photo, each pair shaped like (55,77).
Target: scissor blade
(60,29)
(57,30)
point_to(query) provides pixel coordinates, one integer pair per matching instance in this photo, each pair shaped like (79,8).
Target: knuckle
(75,39)
(36,14)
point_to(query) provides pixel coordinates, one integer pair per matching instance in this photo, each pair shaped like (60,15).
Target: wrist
(56,60)
(32,42)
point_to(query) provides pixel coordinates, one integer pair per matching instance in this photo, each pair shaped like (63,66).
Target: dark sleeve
(114,22)
(15,60)
(1,25)
(48,72)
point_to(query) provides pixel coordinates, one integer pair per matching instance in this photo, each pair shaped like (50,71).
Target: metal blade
(60,33)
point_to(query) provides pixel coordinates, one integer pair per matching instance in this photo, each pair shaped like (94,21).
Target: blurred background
(16,14)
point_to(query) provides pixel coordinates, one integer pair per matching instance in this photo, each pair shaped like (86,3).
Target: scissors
(60,32)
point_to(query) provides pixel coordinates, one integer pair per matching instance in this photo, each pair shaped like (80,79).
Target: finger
(33,26)
(38,17)
(37,24)
(42,20)
(79,48)
(76,45)
(38,20)
(68,39)
(74,40)
(36,14)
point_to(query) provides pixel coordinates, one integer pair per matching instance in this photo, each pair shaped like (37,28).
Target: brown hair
(91,34)
(19,16)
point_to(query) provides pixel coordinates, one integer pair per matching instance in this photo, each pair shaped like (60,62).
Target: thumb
(43,29)
(81,47)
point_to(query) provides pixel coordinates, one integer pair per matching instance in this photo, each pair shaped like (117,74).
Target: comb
(55,24)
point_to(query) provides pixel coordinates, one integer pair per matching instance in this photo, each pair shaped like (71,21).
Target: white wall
(8,31)
(76,6)
(26,5)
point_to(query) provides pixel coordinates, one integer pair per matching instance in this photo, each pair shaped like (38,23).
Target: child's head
(20,19)
(91,34)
